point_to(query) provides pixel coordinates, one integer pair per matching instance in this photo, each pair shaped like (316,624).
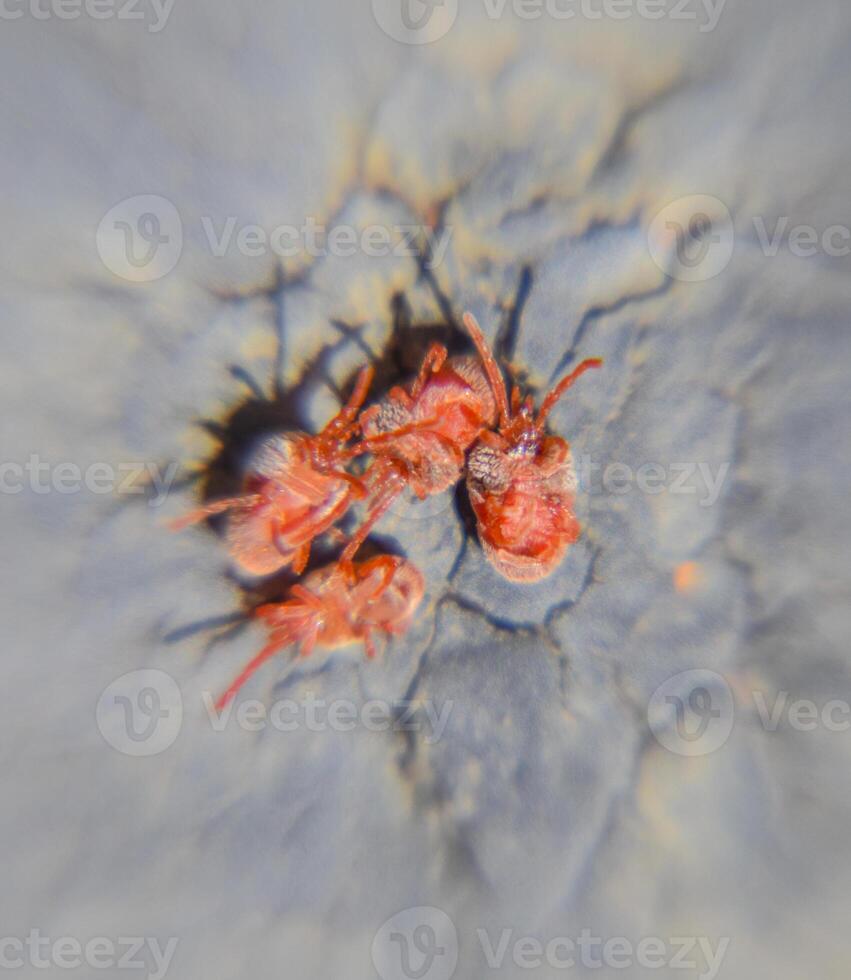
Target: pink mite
(337,605)
(521,479)
(295,488)
(419,435)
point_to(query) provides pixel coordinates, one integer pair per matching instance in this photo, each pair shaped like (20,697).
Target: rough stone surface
(541,801)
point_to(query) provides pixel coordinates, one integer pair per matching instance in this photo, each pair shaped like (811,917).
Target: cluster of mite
(454,420)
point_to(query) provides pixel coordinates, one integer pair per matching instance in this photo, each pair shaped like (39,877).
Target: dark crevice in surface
(616,151)
(180,633)
(443,302)
(560,608)
(431,798)
(531,207)
(596,313)
(275,292)
(506,337)
(620,804)
(510,626)
(462,550)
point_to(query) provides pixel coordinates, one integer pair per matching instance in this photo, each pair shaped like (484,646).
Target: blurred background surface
(636,767)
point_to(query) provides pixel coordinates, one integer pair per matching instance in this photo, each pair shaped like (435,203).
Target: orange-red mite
(295,488)
(419,435)
(337,605)
(521,479)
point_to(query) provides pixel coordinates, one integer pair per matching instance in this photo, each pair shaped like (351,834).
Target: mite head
(488,466)
(521,431)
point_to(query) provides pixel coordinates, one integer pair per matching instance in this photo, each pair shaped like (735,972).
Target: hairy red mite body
(337,605)
(295,488)
(521,480)
(419,435)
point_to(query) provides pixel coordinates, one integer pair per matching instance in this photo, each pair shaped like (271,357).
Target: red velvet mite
(296,486)
(419,435)
(521,480)
(337,605)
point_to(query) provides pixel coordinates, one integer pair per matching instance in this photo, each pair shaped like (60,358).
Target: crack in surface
(557,610)
(501,625)
(596,313)
(615,153)
(507,334)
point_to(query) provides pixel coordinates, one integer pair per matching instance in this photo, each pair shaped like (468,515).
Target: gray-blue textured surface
(546,799)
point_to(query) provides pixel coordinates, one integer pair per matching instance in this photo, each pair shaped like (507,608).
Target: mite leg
(391,482)
(433,361)
(515,400)
(357,485)
(491,367)
(279,640)
(301,558)
(376,442)
(386,565)
(307,483)
(306,527)
(398,394)
(492,439)
(563,385)
(308,641)
(298,591)
(210,510)
(473,419)
(348,413)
